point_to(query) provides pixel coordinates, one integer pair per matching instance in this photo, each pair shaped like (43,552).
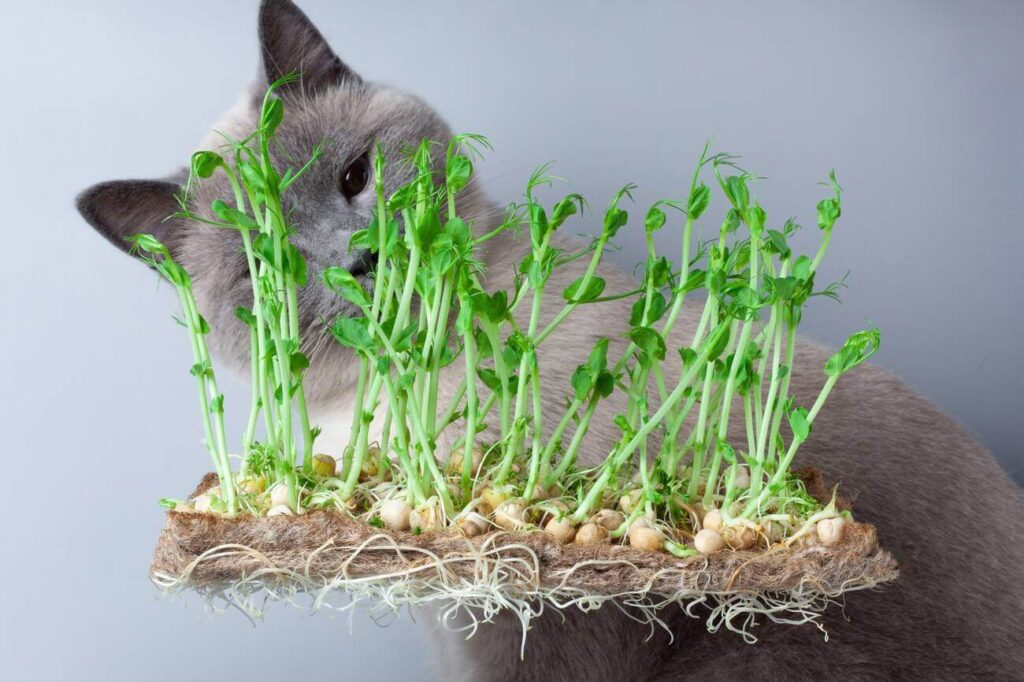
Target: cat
(940,502)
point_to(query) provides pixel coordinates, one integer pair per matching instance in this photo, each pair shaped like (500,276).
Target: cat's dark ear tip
(87,202)
(120,208)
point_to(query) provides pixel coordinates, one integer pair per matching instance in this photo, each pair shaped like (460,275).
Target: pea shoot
(673,481)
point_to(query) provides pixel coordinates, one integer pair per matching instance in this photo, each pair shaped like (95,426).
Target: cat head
(330,105)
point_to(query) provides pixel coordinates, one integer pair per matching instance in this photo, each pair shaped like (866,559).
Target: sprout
(454,378)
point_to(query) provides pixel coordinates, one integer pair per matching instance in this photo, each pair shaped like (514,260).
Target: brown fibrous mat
(322,551)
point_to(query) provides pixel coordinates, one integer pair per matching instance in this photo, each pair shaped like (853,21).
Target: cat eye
(355,176)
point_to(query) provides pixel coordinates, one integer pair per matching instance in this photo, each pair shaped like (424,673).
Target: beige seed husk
(492,498)
(646,538)
(561,529)
(831,531)
(201,503)
(280,510)
(395,514)
(324,465)
(473,524)
(511,515)
(739,536)
(591,534)
(708,541)
(713,521)
(608,519)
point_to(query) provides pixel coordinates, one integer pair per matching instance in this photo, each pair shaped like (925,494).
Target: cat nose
(363,263)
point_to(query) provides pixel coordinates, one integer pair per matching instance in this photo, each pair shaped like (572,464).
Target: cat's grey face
(330,106)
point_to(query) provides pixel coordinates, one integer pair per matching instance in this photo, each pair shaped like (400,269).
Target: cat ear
(121,208)
(290,43)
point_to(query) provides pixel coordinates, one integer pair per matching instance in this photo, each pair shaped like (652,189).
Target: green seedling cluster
(672,482)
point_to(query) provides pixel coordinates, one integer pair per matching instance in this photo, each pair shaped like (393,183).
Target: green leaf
(263,247)
(496,307)
(799,425)
(205,163)
(458,172)
(802,267)
(427,227)
(687,355)
(623,424)
(464,321)
(858,348)
(598,359)
(828,213)
(458,231)
(604,385)
(539,226)
(614,219)
(777,243)
(342,282)
(654,220)
(595,287)
(727,451)
(695,280)
(755,217)
(654,313)
(245,315)
(582,380)
(252,176)
(736,190)
(718,341)
(271,116)
(353,332)
(149,244)
(732,221)
(649,341)
(298,362)
(360,241)
(699,201)
(403,341)
(490,378)
(296,265)
(564,209)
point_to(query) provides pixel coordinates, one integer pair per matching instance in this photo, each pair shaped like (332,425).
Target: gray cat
(952,614)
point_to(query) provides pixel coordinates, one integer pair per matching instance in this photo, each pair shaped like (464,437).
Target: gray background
(917,104)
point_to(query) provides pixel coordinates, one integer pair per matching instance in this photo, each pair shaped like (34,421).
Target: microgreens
(428,316)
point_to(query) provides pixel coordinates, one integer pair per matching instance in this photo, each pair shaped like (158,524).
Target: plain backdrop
(918,105)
